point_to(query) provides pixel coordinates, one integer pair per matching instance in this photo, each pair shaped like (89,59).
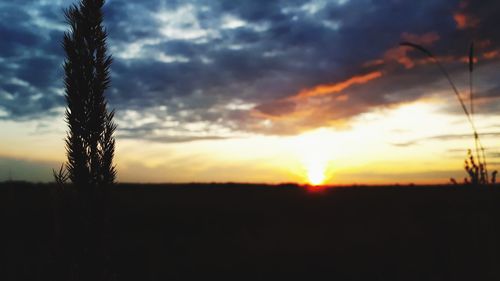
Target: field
(256,232)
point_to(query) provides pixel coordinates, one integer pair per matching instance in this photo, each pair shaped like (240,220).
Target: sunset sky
(261,91)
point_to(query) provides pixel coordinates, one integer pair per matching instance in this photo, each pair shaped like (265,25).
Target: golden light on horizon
(373,149)
(314,153)
(316,173)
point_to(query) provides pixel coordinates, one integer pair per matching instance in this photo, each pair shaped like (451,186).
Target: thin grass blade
(418,47)
(471,57)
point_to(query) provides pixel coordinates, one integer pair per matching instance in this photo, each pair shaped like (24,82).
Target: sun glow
(316,173)
(315,155)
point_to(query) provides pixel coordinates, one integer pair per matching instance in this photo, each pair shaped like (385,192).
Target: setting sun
(316,173)
(314,152)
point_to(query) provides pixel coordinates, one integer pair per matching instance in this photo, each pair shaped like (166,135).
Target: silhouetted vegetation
(257,232)
(475,165)
(90,144)
(81,198)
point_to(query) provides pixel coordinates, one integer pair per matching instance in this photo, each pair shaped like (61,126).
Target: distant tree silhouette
(90,143)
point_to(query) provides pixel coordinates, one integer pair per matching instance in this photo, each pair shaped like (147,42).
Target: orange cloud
(425,39)
(327,89)
(400,54)
(371,63)
(491,54)
(298,113)
(464,21)
(460,20)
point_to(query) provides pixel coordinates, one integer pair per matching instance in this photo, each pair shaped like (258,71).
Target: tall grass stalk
(481,158)
(480,151)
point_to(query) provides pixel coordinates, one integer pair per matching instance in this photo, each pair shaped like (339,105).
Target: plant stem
(457,94)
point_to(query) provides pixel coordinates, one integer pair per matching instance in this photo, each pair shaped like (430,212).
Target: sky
(261,91)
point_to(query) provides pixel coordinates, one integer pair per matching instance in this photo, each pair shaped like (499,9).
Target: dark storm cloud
(30,59)
(238,65)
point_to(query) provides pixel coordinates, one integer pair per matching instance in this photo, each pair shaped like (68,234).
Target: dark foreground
(242,232)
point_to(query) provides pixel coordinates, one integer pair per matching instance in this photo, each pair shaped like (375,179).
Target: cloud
(276,108)
(493,54)
(464,21)
(171,139)
(300,111)
(446,137)
(401,54)
(338,87)
(195,57)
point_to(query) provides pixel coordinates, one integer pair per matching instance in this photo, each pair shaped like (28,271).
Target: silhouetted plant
(61,177)
(476,172)
(90,143)
(475,166)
